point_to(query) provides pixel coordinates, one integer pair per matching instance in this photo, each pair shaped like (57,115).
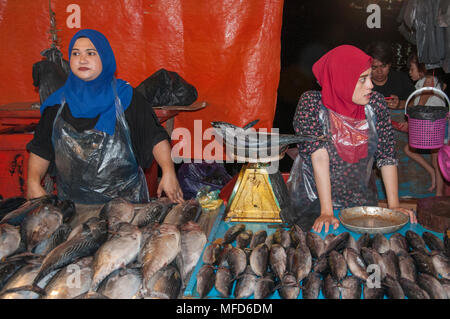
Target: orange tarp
(228,49)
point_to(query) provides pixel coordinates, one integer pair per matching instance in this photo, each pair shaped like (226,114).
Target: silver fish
(182,213)
(245,284)
(277,260)
(9,240)
(59,236)
(355,263)
(351,243)
(259,259)
(205,280)
(116,211)
(223,281)
(442,264)
(122,284)
(398,243)
(153,212)
(237,260)
(380,243)
(372,257)
(165,284)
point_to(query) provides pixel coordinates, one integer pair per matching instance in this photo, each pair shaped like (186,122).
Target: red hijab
(338,72)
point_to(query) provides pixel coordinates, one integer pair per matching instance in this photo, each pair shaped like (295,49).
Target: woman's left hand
(409,212)
(170,186)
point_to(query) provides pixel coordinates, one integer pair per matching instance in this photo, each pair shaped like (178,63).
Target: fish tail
(32,288)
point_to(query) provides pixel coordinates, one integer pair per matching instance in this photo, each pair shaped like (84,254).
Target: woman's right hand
(35,191)
(325,220)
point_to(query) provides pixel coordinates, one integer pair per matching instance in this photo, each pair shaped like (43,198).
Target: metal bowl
(372,220)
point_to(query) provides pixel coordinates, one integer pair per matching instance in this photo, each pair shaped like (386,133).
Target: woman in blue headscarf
(96,132)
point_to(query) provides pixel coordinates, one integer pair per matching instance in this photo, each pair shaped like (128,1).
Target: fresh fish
(222,259)
(445,283)
(277,260)
(329,237)
(398,244)
(71,281)
(372,257)
(259,259)
(321,266)
(289,259)
(68,210)
(9,204)
(412,290)
(432,286)
(302,262)
(244,238)
(17,216)
(364,241)
(372,292)
(232,233)
(160,250)
(355,263)
(442,264)
(117,252)
(193,239)
(282,237)
(223,281)
(40,225)
(116,211)
(338,243)
(350,288)
(153,212)
(298,236)
(182,213)
(312,285)
(331,288)
(237,260)
(211,253)
(380,243)
(264,287)
(407,267)
(58,237)
(315,244)
(245,284)
(13,264)
(205,280)
(432,241)
(9,240)
(351,243)
(393,288)
(390,261)
(424,263)
(290,288)
(91,295)
(269,241)
(85,244)
(165,284)
(415,241)
(148,231)
(258,238)
(337,264)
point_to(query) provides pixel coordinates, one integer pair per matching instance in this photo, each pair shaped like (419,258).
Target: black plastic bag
(167,88)
(430,113)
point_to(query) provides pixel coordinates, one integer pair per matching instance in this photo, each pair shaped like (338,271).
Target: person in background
(337,172)
(96,132)
(426,78)
(394,85)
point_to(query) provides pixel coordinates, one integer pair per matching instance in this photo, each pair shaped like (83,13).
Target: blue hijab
(88,99)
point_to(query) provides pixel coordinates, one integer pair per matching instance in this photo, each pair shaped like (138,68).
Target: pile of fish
(124,252)
(292,261)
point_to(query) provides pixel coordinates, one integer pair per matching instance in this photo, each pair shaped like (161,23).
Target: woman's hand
(327,220)
(35,190)
(170,186)
(394,102)
(409,212)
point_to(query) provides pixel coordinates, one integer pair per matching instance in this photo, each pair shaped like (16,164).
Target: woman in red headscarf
(337,172)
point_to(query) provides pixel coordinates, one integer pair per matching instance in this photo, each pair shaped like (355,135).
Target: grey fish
(122,249)
(380,243)
(329,237)
(372,257)
(258,238)
(17,216)
(58,237)
(160,250)
(244,238)
(190,210)
(192,241)
(432,286)
(445,283)
(71,281)
(290,288)
(82,245)
(442,264)
(13,264)
(116,211)
(264,287)
(302,262)
(447,241)
(337,243)
(153,212)
(351,243)
(355,263)
(164,284)
(211,253)
(424,263)
(237,260)
(315,244)
(415,241)
(245,284)
(412,290)
(223,281)
(350,288)
(259,259)
(232,233)
(9,240)
(321,266)
(91,295)
(407,267)
(40,225)
(372,292)
(363,241)
(269,241)
(393,288)
(337,264)
(222,259)
(331,288)
(398,243)
(277,260)
(432,241)
(205,280)
(298,236)
(312,285)
(282,237)
(390,261)
(289,258)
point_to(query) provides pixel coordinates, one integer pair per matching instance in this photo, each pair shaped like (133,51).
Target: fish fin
(32,288)
(251,124)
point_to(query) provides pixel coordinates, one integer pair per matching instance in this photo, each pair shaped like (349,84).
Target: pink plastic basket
(426,134)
